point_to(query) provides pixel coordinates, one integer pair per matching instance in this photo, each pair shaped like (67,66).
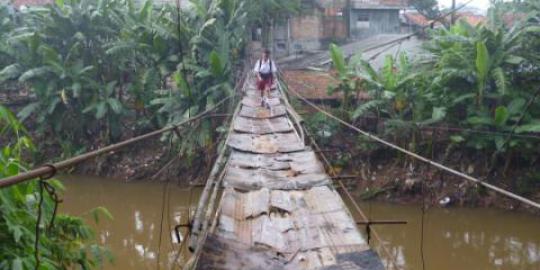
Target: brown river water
(455,238)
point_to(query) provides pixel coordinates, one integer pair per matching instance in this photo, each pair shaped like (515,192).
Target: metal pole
(453,16)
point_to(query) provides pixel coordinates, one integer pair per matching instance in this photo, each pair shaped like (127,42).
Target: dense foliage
(480,80)
(96,70)
(93,66)
(64,241)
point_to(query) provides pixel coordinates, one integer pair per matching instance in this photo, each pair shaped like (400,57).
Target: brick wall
(306,27)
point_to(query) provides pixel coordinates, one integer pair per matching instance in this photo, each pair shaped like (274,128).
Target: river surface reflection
(460,238)
(456,238)
(133,234)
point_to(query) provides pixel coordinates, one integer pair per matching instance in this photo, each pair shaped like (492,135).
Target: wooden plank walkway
(279,209)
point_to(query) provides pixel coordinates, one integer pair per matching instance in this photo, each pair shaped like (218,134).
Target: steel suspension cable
(419,157)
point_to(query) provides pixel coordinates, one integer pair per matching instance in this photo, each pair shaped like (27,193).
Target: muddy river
(456,238)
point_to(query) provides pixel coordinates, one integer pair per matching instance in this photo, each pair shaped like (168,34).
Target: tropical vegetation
(479,85)
(97,72)
(90,65)
(63,241)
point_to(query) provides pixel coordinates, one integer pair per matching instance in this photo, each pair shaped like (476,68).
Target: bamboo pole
(218,166)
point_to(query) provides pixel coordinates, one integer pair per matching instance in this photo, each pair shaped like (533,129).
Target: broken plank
(266,144)
(245,179)
(263,113)
(255,101)
(262,126)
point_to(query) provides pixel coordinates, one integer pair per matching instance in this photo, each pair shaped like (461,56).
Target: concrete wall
(312,32)
(369,22)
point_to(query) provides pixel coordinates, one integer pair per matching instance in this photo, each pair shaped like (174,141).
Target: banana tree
(65,241)
(348,85)
(483,76)
(392,88)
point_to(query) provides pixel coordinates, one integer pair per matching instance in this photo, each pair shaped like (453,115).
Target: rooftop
(310,84)
(314,85)
(415,18)
(379,4)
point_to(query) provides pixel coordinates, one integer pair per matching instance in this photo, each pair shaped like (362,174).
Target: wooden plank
(255,101)
(244,179)
(220,253)
(283,200)
(303,162)
(266,144)
(279,209)
(268,234)
(260,112)
(244,205)
(257,93)
(262,126)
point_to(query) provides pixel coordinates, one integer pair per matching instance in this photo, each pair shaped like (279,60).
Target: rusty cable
(182,241)
(51,190)
(421,158)
(212,178)
(41,185)
(369,230)
(423,213)
(164,195)
(38,223)
(49,169)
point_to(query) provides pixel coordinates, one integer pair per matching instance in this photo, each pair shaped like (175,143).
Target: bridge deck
(279,209)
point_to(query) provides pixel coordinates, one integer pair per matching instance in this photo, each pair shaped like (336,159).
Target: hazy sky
(480,4)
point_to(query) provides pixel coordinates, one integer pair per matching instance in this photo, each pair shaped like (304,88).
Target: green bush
(64,241)
(480,78)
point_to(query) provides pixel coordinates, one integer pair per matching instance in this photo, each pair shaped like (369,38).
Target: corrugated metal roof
(415,18)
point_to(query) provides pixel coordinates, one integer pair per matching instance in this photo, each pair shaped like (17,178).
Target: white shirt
(265,66)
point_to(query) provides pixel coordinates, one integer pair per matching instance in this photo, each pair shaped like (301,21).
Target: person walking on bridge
(265,68)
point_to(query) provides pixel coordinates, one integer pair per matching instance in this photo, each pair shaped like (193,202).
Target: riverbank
(384,175)
(152,159)
(455,238)
(380,174)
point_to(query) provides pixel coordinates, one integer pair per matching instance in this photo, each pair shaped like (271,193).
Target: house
(27,3)
(321,22)
(318,23)
(372,17)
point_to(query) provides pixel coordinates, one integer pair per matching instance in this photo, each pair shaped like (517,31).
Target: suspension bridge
(279,208)
(271,200)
